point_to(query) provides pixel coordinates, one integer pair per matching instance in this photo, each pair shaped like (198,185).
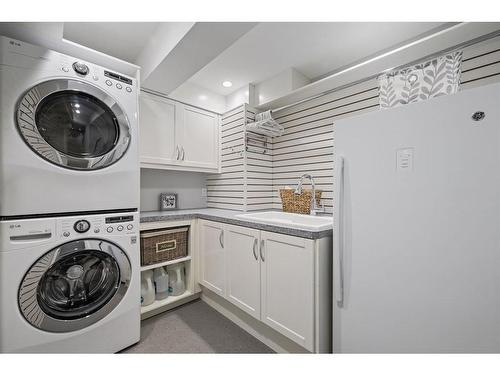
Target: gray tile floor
(194,328)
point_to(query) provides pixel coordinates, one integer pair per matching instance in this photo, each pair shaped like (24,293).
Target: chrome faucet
(314,205)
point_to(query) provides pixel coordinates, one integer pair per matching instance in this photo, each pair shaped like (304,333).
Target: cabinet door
(287,286)
(200,138)
(157,117)
(212,258)
(243,268)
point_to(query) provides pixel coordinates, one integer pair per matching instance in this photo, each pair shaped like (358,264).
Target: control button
(81,68)
(120,228)
(65,69)
(95,78)
(109,229)
(81,226)
(66,234)
(129,89)
(118,86)
(97,230)
(130,226)
(108,82)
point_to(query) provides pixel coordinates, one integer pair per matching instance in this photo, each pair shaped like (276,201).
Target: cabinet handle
(255,243)
(176,152)
(182,148)
(221,238)
(262,250)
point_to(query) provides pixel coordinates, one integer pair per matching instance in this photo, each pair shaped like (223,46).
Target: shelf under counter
(159,306)
(166,263)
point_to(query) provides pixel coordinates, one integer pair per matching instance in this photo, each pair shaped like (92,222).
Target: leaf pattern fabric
(437,77)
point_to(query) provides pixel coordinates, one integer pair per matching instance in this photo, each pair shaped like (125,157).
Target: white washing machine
(70,284)
(68,134)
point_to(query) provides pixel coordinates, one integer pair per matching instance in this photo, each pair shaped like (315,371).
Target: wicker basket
(298,203)
(162,245)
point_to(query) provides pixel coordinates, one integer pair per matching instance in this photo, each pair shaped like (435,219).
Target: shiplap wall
(246,181)
(251,179)
(227,189)
(307,144)
(259,168)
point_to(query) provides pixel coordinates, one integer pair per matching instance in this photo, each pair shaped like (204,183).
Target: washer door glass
(78,285)
(73,124)
(74,285)
(77,124)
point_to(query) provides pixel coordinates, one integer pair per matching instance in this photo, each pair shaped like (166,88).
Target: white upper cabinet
(243,268)
(157,117)
(178,136)
(199,138)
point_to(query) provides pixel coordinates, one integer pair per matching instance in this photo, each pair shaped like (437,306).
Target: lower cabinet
(270,276)
(212,257)
(243,268)
(287,286)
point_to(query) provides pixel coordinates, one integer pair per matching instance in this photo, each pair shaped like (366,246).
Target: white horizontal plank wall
(227,189)
(307,144)
(259,168)
(481,64)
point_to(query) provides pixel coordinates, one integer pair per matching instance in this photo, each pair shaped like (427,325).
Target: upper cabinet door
(212,257)
(287,286)
(243,268)
(199,142)
(157,118)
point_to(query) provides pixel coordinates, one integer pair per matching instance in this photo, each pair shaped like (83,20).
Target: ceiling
(124,40)
(314,49)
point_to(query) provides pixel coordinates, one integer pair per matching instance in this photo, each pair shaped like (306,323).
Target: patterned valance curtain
(440,76)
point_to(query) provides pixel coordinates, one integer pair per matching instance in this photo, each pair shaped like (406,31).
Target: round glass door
(77,124)
(74,285)
(73,124)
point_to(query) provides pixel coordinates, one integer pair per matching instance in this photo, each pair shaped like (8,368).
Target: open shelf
(164,303)
(167,263)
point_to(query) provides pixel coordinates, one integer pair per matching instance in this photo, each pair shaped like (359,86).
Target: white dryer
(70,284)
(68,134)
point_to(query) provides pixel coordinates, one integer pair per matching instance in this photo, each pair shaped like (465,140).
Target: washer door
(74,285)
(73,124)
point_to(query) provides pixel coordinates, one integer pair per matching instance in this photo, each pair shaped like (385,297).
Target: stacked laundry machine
(69,198)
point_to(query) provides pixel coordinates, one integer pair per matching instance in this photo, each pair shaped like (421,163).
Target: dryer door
(73,124)
(74,285)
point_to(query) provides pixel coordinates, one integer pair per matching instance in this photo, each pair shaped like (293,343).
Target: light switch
(203,192)
(404,159)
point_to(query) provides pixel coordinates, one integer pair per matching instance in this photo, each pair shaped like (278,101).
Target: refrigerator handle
(338,245)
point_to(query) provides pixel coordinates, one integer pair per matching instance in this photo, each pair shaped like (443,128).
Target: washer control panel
(118,223)
(101,225)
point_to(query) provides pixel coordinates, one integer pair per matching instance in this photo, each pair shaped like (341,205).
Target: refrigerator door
(418,253)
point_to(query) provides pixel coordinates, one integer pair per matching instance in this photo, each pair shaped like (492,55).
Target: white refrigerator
(417,227)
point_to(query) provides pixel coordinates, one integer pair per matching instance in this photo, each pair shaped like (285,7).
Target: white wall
(279,85)
(245,94)
(196,95)
(187,185)
(160,44)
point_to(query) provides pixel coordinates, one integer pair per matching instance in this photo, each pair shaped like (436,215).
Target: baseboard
(263,333)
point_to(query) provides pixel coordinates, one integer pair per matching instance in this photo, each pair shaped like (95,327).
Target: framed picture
(168,201)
